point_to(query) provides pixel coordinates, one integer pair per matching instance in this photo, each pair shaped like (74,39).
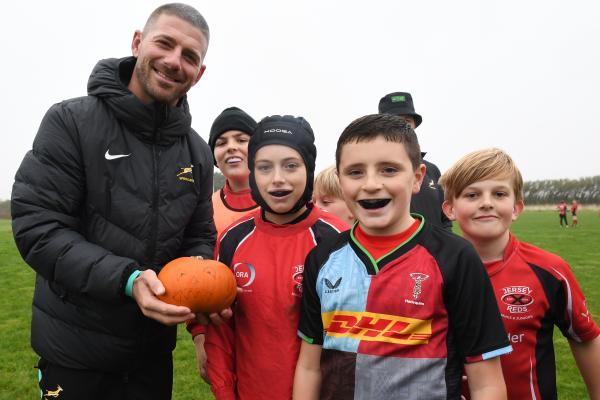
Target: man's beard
(144,75)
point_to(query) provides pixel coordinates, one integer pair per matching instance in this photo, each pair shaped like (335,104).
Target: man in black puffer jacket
(117,185)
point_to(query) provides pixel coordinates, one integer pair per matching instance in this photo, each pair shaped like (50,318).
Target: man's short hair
(478,166)
(392,128)
(181,11)
(327,183)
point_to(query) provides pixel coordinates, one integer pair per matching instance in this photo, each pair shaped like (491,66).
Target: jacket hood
(155,122)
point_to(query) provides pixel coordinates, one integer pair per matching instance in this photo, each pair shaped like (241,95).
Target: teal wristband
(129,286)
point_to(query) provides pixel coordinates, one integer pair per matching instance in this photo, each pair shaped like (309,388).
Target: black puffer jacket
(111,185)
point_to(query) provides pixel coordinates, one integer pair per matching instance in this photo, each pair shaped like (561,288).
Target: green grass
(18,377)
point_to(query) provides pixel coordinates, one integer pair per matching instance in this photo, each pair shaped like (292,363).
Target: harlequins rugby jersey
(402,326)
(536,290)
(254,357)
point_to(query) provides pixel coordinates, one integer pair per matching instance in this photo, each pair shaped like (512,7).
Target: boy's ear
(518,209)
(419,175)
(448,210)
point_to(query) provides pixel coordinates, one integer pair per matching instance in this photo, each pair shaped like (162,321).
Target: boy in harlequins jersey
(396,306)
(535,289)
(253,356)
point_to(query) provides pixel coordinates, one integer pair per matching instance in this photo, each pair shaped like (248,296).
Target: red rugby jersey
(562,209)
(535,291)
(254,356)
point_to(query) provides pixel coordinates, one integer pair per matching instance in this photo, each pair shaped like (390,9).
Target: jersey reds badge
(297,280)
(517,298)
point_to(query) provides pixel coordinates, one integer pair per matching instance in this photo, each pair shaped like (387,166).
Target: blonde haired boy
(327,195)
(535,289)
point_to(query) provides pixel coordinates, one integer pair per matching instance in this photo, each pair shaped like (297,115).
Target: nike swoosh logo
(114,156)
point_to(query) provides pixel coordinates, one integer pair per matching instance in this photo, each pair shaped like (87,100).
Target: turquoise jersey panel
(342,284)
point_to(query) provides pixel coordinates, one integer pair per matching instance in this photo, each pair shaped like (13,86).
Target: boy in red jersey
(253,356)
(394,307)
(535,289)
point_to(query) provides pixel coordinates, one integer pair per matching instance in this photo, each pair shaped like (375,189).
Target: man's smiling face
(169,55)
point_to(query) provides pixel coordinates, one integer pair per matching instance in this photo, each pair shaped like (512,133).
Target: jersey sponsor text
(374,327)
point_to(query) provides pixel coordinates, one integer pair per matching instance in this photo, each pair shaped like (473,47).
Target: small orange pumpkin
(201,285)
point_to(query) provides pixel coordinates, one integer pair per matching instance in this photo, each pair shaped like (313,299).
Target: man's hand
(201,356)
(145,289)
(216,318)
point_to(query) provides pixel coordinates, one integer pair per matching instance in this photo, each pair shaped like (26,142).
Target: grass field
(18,377)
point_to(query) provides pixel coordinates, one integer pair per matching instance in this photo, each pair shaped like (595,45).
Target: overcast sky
(520,75)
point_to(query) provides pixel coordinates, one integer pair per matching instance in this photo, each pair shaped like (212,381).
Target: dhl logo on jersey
(375,327)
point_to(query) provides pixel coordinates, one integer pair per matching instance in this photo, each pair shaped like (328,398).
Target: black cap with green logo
(399,103)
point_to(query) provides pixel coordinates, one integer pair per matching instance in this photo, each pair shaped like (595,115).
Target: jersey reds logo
(374,327)
(517,298)
(244,274)
(297,279)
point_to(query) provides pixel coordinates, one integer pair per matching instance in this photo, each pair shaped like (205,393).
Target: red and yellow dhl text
(374,327)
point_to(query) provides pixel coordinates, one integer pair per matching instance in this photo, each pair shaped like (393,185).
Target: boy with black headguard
(254,356)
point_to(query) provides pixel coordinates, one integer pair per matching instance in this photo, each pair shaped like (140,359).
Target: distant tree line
(584,190)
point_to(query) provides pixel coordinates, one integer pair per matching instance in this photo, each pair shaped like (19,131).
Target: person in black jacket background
(428,202)
(117,185)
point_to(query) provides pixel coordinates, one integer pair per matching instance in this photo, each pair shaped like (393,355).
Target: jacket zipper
(155,191)
(159,118)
